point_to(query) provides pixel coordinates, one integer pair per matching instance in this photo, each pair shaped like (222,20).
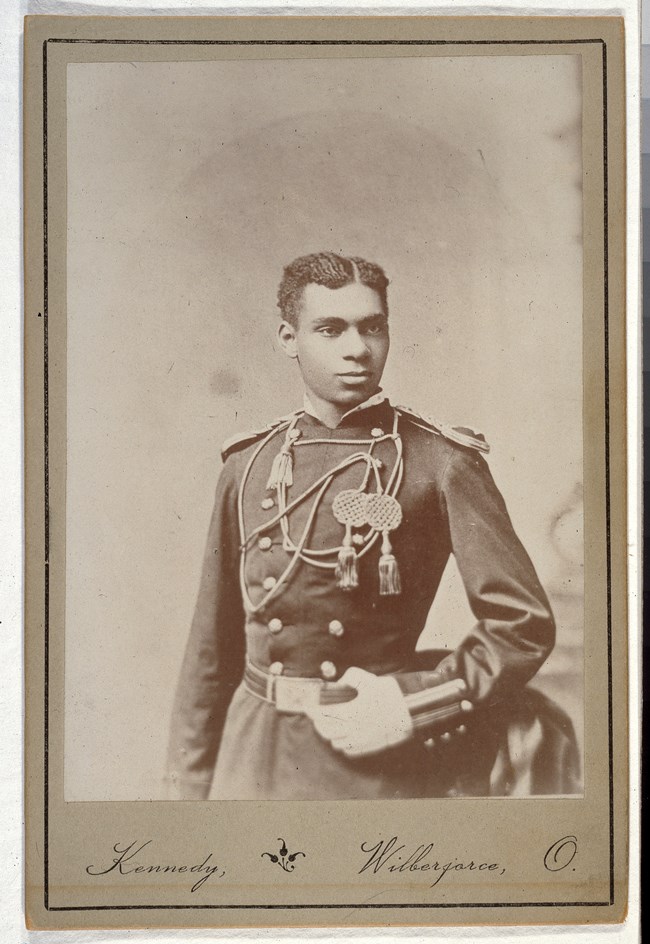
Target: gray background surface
(11,548)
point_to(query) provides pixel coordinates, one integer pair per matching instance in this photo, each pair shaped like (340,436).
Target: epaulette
(240,440)
(462,435)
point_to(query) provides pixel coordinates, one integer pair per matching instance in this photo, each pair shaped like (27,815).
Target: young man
(329,537)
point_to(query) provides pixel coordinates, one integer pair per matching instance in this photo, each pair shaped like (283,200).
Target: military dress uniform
(325,551)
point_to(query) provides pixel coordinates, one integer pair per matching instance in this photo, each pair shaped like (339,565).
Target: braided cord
(309,555)
(282,579)
(299,551)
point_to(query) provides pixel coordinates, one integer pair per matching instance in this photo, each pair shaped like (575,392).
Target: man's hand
(376,719)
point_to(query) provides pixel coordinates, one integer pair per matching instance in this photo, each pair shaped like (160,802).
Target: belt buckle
(294,695)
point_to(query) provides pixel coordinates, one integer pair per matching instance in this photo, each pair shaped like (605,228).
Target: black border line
(46,483)
(328,42)
(478,904)
(610,730)
(319,42)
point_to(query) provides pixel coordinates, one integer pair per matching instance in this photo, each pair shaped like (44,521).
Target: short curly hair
(330,270)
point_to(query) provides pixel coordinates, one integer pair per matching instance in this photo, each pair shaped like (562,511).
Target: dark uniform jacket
(309,627)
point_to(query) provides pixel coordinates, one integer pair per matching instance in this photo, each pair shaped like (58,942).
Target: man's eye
(328,331)
(376,329)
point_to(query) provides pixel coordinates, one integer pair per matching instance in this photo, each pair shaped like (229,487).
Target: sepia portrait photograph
(346,297)
(321,430)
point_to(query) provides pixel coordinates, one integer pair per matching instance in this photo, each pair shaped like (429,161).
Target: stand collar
(375,400)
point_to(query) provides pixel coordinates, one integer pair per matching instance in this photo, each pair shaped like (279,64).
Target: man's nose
(355,344)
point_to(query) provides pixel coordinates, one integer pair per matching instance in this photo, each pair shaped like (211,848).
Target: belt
(294,695)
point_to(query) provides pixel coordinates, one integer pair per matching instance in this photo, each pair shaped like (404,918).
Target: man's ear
(287,339)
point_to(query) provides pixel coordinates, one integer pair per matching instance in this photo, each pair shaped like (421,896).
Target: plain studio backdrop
(190,186)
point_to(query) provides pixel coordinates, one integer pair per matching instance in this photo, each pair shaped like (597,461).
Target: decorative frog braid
(364,514)
(379,512)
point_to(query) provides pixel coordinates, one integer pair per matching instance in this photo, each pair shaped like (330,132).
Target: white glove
(376,719)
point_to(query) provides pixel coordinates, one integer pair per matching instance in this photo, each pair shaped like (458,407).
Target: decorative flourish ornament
(384,513)
(285,859)
(349,509)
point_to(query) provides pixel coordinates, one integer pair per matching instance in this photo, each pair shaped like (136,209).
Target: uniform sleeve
(214,656)
(514,630)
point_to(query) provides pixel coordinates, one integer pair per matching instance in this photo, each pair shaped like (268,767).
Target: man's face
(341,342)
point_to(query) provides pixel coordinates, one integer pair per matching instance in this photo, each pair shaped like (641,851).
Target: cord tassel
(347,570)
(390,583)
(281,469)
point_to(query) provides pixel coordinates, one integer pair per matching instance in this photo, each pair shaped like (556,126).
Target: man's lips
(356,373)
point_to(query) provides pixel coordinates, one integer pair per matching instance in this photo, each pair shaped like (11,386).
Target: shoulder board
(462,435)
(245,439)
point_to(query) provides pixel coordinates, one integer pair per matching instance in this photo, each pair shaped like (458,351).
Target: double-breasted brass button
(328,670)
(294,434)
(336,628)
(376,432)
(466,705)
(430,743)
(276,668)
(269,582)
(461,729)
(275,625)
(264,543)
(267,503)
(446,737)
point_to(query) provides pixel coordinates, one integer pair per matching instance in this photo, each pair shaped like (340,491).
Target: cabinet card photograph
(325,458)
